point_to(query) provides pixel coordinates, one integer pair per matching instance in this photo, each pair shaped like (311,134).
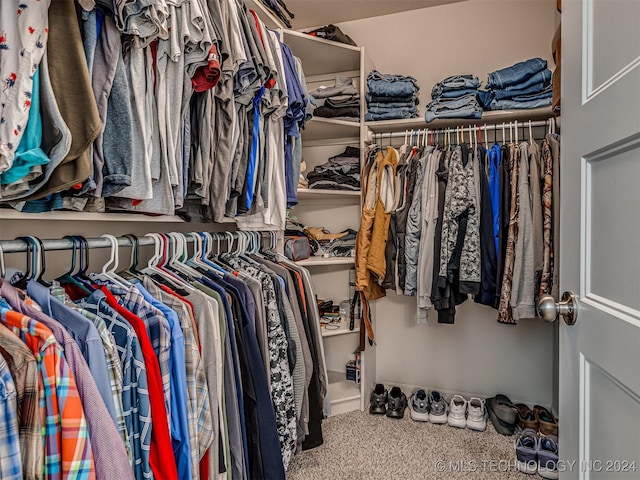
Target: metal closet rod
(489,126)
(18,246)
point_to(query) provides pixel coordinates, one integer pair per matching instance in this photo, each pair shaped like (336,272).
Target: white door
(600,239)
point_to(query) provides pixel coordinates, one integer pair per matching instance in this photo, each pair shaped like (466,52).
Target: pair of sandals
(505,416)
(538,419)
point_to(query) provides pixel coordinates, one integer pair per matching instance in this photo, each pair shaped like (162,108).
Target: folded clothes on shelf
(454,97)
(341,100)
(340,172)
(391,96)
(524,85)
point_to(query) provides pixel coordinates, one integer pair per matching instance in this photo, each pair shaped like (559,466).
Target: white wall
(476,355)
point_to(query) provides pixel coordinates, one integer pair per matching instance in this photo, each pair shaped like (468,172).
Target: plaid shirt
(157,328)
(66,438)
(135,391)
(199,415)
(24,369)
(10,461)
(114,367)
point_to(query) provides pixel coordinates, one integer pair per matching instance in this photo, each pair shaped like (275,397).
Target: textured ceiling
(313,13)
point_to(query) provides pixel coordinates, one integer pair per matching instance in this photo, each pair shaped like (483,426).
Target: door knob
(567,308)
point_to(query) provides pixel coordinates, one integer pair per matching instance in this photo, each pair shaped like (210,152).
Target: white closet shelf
(319,128)
(328,57)
(319,195)
(343,330)
(320,261)
(493,117)
(266,15)
(340,389)
(9,214)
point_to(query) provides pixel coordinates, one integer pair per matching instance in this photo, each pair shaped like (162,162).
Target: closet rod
(18,246)
(474,128)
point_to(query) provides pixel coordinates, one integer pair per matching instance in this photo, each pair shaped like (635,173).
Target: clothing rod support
(490,126)
(18,246)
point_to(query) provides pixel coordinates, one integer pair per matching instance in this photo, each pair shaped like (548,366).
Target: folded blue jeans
(376,110)
(546,93)
(390,115)
(455,82)
(516,74)
(456,93)
(532,90)
(463,107)
(513,105)
(391,105)
(371,98)
(391,85)
(543,77)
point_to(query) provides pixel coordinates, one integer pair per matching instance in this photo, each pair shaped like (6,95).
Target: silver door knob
(567,308)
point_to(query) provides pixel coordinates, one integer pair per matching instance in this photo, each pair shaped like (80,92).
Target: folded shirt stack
(524,85)
(455,97)
(341,101)
(341,172)
(391,97)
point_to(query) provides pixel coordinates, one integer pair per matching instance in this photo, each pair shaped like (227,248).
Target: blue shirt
(135,389)
(494,192)
(85,334)
(179,425)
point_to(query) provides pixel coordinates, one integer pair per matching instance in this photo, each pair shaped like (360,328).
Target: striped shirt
(114,367)
(135,390)
(66,437)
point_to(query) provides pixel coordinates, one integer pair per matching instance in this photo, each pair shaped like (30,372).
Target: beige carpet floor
(360,446)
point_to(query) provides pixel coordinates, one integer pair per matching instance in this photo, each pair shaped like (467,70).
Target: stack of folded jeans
(391,97)
(341,172)
(341,101)
(454,97)
(524,85)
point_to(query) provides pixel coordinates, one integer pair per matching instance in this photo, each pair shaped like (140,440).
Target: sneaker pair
(431,408)
(390,403)
(470,414)
(537,454)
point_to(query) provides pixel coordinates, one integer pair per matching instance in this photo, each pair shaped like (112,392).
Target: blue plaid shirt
(10,460)
(135,391)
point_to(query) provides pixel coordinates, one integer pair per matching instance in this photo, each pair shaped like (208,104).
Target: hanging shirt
(161,453)
(114,367)
(24,370)
(135,399)
(60,405)
(11,466)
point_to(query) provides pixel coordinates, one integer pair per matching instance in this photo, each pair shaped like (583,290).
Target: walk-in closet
(283,239)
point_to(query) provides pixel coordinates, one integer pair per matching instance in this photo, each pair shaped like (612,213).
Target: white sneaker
(476,414)
(457,412)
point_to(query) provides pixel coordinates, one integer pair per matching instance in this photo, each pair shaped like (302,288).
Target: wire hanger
(2,269)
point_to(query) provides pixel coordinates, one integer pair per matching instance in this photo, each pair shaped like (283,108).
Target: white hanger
(108,272)
(516,131)
(530,133)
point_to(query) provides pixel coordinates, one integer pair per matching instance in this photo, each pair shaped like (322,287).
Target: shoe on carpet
(378,400)
(476,414)
(457,412)
(397,403)
(503,414)
(437,407)
(526,417)
(419,406)
(548,457)
(527,451)
(548,425)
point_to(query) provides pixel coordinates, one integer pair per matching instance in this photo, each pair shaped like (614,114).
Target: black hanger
(81,275)
(68,278)
(43,266)
(132,270)
(22,282)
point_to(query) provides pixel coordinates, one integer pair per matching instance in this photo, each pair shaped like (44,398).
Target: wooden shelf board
(320,261)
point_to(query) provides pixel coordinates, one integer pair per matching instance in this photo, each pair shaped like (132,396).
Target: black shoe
(397,403)
(378,405)
(503,414)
